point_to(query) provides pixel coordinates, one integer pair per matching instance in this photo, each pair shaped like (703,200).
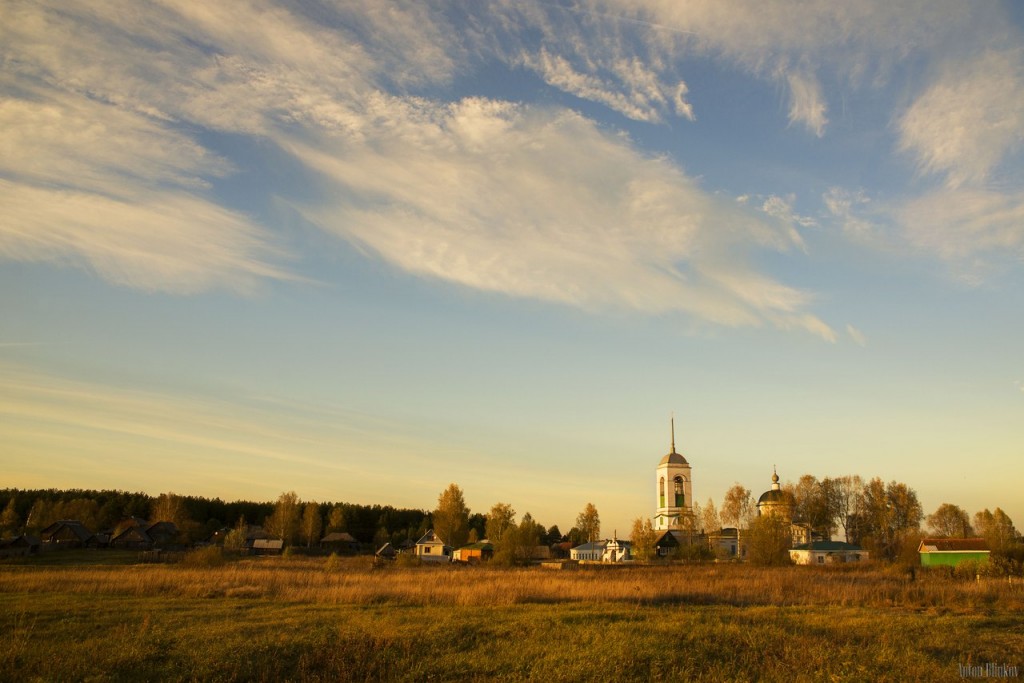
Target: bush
(333,564)
(209,556)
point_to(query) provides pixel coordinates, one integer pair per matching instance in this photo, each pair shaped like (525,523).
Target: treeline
(30,510)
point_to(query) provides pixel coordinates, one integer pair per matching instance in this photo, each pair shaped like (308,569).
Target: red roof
(955,544)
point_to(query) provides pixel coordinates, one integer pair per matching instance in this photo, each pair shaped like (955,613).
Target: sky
(361,250)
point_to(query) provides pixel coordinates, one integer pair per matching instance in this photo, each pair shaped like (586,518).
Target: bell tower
(673,488)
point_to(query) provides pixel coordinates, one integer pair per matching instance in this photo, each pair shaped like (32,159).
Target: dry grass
(319,619)
(353,581)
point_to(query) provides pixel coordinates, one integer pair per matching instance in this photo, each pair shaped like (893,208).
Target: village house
(19,546)
(952,551)
(827,552)
(430,548)
(65,534)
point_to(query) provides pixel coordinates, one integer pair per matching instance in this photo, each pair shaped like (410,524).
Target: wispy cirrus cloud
(541,203)
(969,119)
(484,193)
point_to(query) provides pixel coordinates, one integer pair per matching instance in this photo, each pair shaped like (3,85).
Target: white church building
(674,489)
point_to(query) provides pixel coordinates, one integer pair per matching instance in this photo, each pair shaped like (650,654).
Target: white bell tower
(673,488)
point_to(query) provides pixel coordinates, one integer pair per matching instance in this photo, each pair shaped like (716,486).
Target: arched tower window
(661,492)
(680,499)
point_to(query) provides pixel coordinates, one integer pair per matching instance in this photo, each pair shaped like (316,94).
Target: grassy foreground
(308,619)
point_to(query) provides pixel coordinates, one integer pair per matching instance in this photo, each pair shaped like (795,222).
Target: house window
(821,559)
(426,550)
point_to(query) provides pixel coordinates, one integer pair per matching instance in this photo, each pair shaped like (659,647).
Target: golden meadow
(333,619)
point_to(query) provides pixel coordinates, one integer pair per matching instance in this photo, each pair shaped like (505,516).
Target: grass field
(310,619)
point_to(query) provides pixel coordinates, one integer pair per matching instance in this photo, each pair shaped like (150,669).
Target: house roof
(133,533)
(430,538)
(387,550)
(593,545)
(267,543)
(339,537)
(828,546)
(78,529)
(482,545)
(953,545)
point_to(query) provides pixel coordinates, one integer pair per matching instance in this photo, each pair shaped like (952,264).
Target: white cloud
(849,208)
(856,335)
(973,230)
(155,240)
(547,206)
(966,122)
(807,105)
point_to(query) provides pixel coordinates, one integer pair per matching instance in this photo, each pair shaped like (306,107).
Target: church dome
(773,496)
(673,458)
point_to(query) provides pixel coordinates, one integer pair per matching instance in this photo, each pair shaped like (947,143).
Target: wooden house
(67,533)
(340,542)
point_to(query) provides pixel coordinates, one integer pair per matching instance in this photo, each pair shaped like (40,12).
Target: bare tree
(845,493)
(336,520)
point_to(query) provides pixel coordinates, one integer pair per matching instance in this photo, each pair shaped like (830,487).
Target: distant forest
(200,517)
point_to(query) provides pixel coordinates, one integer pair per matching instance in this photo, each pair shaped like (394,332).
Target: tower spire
(673,421)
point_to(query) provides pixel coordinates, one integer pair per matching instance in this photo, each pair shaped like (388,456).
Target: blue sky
(361,250)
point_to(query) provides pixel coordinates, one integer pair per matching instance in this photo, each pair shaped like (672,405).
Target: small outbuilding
(827,552)
(340,542)
(474,552)
(952,551)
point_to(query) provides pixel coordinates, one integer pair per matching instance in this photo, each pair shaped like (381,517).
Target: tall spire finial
(673,433)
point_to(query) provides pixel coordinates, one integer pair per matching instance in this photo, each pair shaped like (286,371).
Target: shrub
(333,564)
(209,556)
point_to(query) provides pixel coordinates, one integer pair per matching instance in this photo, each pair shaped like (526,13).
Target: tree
(284,522)
(235,539)
(589,523)
(709,517)
(812,503)
(889,514)
(517,542)
(643,538)
(950,521)
(997,528)
(845,493)
(737,507)
(311,524)
(9,520)
(769,540)
(473,537)
(451,518)
(501,517)
(554,534)
(336,520)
